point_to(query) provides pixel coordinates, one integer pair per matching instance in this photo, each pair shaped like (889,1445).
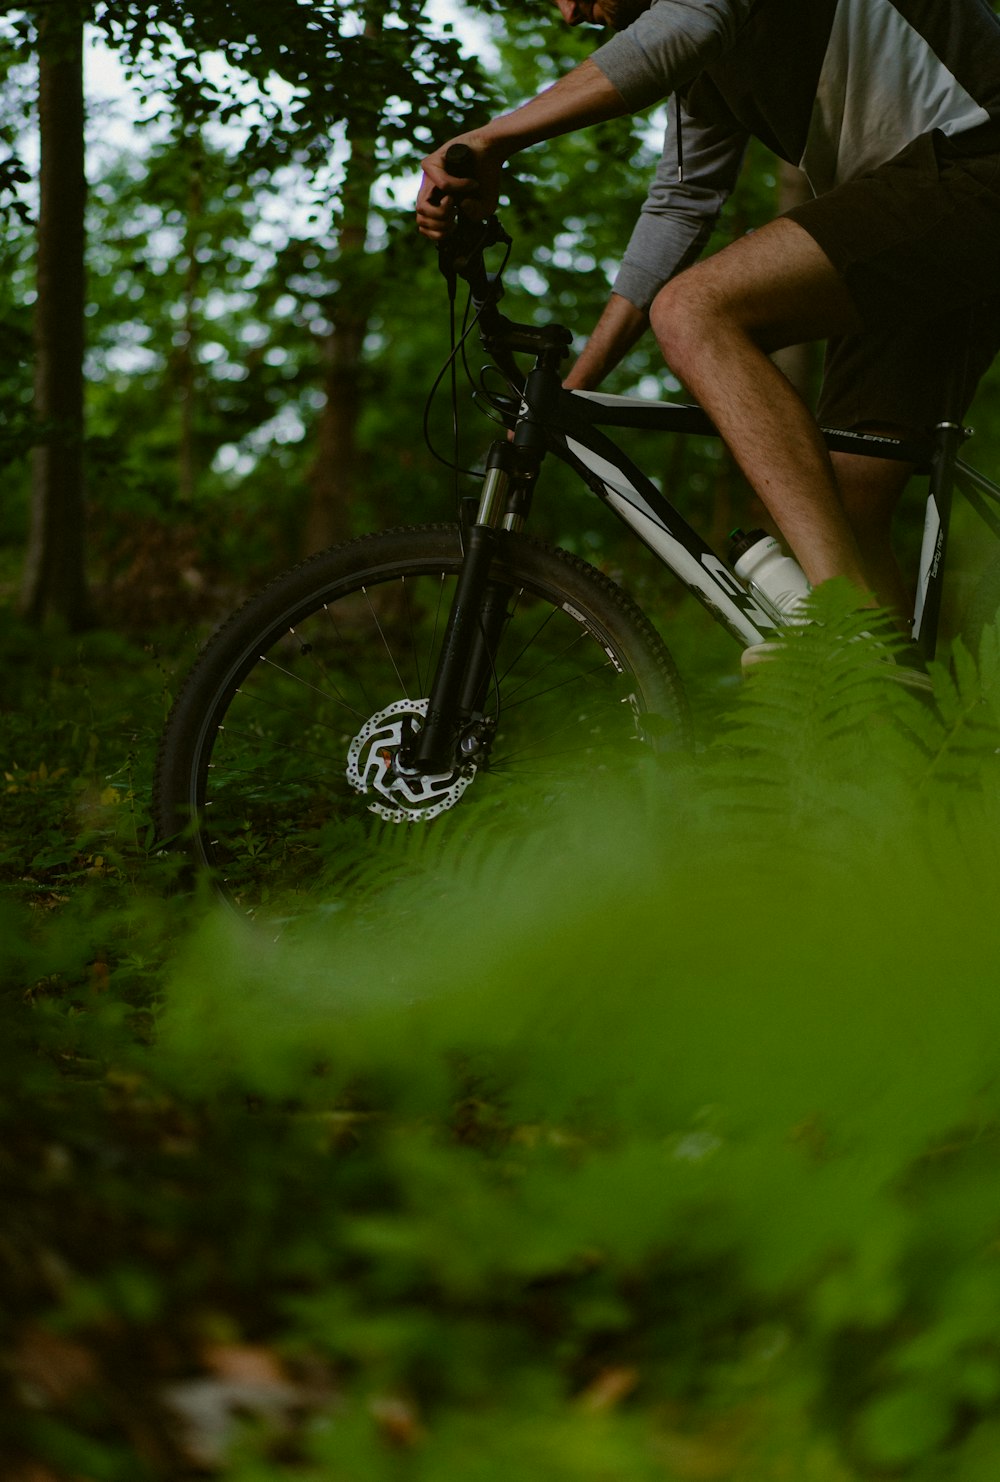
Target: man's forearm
(580,98)
(584,96)
(617,330)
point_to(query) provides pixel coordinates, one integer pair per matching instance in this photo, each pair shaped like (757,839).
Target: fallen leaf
(244,1363)
(397,1419)
(611,1386)
(56,1368)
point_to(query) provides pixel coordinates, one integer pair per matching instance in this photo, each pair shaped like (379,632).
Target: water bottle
(776,579)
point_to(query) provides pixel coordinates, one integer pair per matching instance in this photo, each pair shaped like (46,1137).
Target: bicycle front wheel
(278,763)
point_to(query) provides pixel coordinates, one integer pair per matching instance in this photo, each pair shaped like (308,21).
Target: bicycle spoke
(298,680)
(582,677)
(385,644)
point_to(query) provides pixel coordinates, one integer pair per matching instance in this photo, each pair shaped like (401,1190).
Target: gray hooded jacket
(835,86)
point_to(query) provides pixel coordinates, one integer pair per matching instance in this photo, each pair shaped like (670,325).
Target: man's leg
(870,489)
(717,324)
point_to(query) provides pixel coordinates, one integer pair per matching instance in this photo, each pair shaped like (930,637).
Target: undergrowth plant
(658,1140)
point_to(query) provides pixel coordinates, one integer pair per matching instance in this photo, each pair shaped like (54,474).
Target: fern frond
(963,747)
(825,746)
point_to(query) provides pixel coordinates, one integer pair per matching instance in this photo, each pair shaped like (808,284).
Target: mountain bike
(455,672)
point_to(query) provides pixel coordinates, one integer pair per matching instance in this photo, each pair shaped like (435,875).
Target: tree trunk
(187,352)
(55,583)
(336,469)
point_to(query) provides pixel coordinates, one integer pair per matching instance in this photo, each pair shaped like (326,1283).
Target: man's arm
(617,330)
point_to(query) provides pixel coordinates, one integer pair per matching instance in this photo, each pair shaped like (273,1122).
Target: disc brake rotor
(373,768)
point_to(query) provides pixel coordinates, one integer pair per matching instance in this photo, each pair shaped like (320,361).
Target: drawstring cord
(680,138)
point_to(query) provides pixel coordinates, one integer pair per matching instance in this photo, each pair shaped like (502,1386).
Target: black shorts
(917,242)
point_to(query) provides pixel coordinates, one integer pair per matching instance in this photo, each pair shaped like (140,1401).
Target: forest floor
(589,1155)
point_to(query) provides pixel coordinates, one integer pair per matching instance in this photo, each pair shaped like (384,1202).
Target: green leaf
(904,1426)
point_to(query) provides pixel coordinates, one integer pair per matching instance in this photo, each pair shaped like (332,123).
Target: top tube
(667,416)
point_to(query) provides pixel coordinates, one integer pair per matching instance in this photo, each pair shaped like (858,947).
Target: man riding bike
(892,109)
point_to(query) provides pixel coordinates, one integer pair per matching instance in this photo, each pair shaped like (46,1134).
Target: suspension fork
(478,612)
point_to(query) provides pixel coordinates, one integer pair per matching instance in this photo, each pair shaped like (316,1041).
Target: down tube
(654,520)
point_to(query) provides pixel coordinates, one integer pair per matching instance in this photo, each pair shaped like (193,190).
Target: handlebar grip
(459,161)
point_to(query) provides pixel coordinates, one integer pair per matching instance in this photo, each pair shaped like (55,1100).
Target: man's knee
(681,316)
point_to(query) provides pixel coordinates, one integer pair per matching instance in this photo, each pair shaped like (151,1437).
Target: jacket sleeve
(677,217)
(668,45)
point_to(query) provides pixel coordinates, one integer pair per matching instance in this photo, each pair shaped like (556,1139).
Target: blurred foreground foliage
(661,1143)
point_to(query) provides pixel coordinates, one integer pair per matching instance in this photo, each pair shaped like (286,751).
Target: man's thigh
(776,283)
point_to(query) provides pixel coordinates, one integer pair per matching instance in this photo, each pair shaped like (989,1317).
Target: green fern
(817,722)
(962,737)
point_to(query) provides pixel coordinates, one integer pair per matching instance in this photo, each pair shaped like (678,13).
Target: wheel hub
(374,768)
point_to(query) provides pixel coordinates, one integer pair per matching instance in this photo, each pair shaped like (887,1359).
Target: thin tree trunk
(187,353)
(336,470)
(55,583)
